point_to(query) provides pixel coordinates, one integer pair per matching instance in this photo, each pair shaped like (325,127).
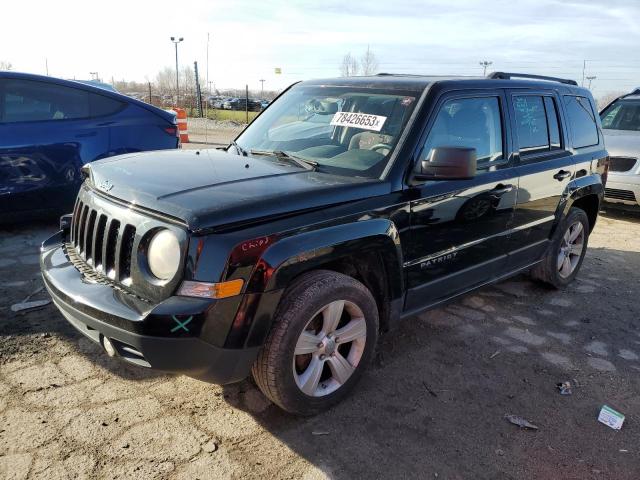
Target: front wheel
(324,335)
(564,257)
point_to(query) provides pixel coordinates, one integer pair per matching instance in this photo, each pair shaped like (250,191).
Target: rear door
(46,135)
(459,227)
(546,165)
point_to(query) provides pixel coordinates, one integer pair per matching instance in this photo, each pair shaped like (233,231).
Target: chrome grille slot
(98,241)
(82,230)
(88,245)
(128,236)
(110,249)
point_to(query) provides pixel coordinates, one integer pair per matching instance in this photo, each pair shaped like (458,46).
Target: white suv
(621,127)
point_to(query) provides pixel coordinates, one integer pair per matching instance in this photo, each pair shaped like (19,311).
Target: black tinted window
(531,123)
(622,115)
(101,105)
(29,101)
(583,121)
(468,122)
(552,121)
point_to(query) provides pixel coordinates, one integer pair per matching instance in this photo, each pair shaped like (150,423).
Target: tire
(551,271)
(307,311)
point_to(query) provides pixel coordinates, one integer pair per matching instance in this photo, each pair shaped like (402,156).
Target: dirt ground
(432,406)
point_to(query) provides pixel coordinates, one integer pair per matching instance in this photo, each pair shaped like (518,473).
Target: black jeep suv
(347,204)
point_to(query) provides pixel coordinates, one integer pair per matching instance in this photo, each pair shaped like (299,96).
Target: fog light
(108,347)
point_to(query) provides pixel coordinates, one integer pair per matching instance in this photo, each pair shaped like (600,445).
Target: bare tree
(166,81)
(349,66)
(369,63)
(605,100)
(5,65)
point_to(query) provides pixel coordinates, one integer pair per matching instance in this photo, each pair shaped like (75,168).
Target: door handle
(501,189)
(561,175)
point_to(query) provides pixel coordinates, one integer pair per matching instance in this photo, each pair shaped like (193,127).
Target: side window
(99,105)
(468,122)
(583,121)
(29,101)
(531,123)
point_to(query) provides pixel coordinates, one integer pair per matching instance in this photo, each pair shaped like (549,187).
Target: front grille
(621,164)
(106,240)
(616,194)
(103,242)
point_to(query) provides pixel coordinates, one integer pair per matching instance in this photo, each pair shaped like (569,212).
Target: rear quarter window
(582,120)
(100,106)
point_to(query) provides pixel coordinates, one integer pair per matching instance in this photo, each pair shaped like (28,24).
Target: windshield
(622,115)
(342,130)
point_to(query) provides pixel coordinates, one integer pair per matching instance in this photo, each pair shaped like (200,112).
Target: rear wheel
(564,257)
(323,337)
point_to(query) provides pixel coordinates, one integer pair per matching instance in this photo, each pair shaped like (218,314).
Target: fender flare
(291,256)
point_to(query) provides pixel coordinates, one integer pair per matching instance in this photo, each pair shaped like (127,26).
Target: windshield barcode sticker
(358,120)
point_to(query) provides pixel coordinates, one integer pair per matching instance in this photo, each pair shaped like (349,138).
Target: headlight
(164,255)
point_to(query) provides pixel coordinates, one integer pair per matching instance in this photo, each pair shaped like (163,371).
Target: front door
(459,227)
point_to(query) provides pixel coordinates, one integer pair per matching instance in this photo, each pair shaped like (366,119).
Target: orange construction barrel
(181,117)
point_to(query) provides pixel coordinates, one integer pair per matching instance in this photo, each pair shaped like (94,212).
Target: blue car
(50,128)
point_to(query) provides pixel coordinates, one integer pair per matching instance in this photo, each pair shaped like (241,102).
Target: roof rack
(509,76)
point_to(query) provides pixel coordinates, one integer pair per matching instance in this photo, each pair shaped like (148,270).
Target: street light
(176,42)
(484,64)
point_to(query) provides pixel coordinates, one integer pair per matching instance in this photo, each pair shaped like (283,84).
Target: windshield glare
(344,130)
(624,115)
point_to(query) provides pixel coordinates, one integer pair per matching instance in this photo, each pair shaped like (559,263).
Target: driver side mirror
(448,163)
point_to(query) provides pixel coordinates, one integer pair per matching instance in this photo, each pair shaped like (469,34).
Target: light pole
(176,42)
(485,64)
(590,79)
(262,91)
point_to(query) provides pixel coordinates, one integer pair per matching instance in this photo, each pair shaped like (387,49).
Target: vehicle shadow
(619,212)
(432,404)
(26,333)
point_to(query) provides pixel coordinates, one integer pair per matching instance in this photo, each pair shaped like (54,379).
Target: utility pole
(484,64)
(262,90)
(176,42)
(149,93)
(593,77)
(584,67)
(198,91)
(46,65)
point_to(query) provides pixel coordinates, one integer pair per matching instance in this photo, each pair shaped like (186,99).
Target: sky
(248,39)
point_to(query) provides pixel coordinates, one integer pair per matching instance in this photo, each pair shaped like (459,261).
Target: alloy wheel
(329,348)
(571,248)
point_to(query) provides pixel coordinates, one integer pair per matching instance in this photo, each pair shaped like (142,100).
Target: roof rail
(509,76)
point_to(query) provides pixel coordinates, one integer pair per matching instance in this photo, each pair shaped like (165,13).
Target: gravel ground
(432,406)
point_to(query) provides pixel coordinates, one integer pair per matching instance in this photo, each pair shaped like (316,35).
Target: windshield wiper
(240,150)
(281,154)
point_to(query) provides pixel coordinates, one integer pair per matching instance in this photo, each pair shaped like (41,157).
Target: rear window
(582,120)
(622,115)
(99,105)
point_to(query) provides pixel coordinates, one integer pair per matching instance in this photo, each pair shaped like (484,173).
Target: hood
(622,143)
(211,188)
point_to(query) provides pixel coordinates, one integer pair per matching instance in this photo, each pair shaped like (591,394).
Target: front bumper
(179,335)
(623,188)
